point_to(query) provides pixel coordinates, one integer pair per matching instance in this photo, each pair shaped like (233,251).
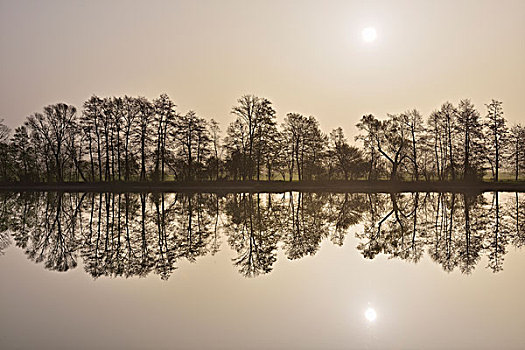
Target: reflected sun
(370,314)
(369,34)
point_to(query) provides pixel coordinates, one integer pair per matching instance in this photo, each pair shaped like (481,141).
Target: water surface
(290,270)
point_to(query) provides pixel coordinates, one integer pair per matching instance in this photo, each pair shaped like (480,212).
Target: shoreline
(342,186)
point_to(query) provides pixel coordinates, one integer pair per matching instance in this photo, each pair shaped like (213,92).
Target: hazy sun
(369,34)
(370,314)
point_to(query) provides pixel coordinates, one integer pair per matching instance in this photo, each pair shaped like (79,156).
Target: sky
(305,56)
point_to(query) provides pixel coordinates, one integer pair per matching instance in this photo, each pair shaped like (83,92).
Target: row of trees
(125,234)
(453,143)
(131,138)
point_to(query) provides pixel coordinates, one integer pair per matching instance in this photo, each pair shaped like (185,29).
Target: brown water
(262,271)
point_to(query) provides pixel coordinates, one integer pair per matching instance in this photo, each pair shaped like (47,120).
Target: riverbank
(362,186)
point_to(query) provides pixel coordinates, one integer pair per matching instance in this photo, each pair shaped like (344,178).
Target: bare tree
(348,158)
(4,132)
(4,151)
(24,156)
(392,142)
(215,161)
(145,116)
(470,131)
(497,133)
(245,136)
(165,120)
(306,145)
(193,141)
(517,149)
(369,125)
(413,121)
(54,127)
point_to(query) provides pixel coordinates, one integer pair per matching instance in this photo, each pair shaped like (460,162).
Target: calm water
(290,270)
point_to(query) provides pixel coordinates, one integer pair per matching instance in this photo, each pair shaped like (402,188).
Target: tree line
(134,234)
(134,139)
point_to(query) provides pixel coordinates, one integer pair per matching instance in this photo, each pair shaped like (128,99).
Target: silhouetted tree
(348,159)
(517,149)
(165,120)
(91,121)
(436,139)
(130,117)
(5,155)
(4,132)
(497,133)
(445,124)
(270,148)
(413,122)
(24,156)
(392,142)
(145,117)
(215,159)
(245,136)
(470,129)
(306,145)
(193,142)
(370,126)
(52,128)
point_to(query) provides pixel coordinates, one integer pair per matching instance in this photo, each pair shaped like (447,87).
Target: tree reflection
(46,228)
(116,242)
(344,211)
(136,234)
(391,226)
(305,224)
(5,210)
(497,235)
(252,228)
(516,213)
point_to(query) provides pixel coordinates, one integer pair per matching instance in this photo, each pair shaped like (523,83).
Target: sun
(369,34)
(370,314)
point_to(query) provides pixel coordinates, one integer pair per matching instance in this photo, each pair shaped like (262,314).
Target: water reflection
(126,234)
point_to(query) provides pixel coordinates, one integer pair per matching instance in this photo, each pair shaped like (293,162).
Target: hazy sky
(305,56)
